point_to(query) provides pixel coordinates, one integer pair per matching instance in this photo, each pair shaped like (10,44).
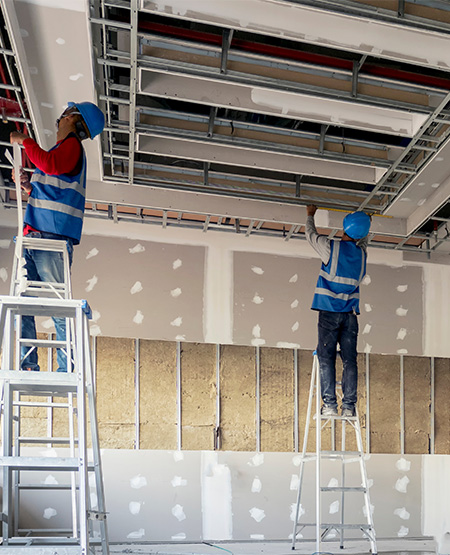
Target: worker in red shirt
(55,209)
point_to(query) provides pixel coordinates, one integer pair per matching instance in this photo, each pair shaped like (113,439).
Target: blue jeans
(44,266)
(334,328)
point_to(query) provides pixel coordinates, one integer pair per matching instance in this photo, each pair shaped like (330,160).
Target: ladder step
(343,488)
(55,440)
(44,343)
(69,464)
(53,383)
(41,549)
(46,487)
(65,531)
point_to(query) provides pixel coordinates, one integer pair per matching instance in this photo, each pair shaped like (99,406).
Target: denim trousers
(338,328)
(44,266)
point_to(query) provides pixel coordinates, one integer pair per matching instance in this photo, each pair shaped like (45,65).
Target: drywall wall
(205,495)
(218,288)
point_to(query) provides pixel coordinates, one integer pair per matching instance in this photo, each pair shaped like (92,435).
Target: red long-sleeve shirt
(62,160)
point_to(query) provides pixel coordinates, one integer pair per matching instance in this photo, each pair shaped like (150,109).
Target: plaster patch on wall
(403,465)
(333,483)
(402,288)
(138,482)
(439,159)
(295,326)
(293,279)
(296,460)
(137,534)
(180,338)
(294,304)
(369,483)
(403,532)
(367,328)
(367,280)
(95,330)
(402,513)
(256,331)
(48,132)
(257,270)
(257,514)
(256,536)
(367,348)
(257,299)
(421,202)
(3,274)
(24,33)
(177,322)
(178,481)
(256,460)
(137,248)
(138,317)
(301,511)
(5,243)
(256,485)
(178,456)
(334,507)
(47,105)
(177,264)
(179,536)
(94,500)
(47,324)
(96,315)
(368,307)
(176,292)
(401,334)
(178,512)
(60,41)
(134,507)
(402,351)
(401,484)
(76,76)
(137,288)
(372,509)
(287,345)
(49,453)
(33,70)
(293,486)
(216,491)
(50,480)
(91,283)
(400,311)
(93,252)
(435,185)
(49,512)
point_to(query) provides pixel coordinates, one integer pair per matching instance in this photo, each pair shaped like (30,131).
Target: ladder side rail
(7,333)
(318,453)
(98,473)
(341,531)
(82,449)
(302,461)
(16,408)
(67,277)
(6,452)
(73,479)
(15,268)
(365,484)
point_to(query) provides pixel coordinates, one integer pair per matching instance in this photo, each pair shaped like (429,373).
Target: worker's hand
(311,209)
(17,137)
(24,180)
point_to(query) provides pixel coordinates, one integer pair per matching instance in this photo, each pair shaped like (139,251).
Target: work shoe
(348,413)
(328,411)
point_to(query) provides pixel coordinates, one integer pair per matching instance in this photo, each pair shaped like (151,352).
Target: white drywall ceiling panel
(315,26)
(426,192)
(57,49)
(251,98)
(205,151)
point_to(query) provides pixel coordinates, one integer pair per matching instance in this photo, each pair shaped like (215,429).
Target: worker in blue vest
(336,298)
(55,209)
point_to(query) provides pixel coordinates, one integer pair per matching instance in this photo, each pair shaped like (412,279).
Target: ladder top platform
(41,306)
(51,382)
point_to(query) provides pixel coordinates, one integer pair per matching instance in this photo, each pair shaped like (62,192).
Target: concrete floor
(386,547)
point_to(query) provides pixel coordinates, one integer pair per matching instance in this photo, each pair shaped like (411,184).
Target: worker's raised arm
(320,243)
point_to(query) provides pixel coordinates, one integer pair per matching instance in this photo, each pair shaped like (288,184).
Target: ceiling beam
(220,90)
(293,21)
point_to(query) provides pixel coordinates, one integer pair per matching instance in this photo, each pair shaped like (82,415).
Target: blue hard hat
(92,116)
(357,225)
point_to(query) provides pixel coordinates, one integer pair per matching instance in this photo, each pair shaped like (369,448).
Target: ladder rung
(40,404)
(343,488)
(42,463)
(339,526)
(44,343)
(45,486)
(45,530)
(56,440)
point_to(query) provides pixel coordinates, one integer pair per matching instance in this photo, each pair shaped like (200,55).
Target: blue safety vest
(56,203)
(337,288)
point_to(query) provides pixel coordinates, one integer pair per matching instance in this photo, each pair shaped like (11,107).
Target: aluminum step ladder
(30,461)
(324,530)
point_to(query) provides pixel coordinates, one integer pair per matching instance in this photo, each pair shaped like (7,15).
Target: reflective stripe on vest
(340,293)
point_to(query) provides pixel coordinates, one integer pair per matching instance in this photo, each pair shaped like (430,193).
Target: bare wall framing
(194,396)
